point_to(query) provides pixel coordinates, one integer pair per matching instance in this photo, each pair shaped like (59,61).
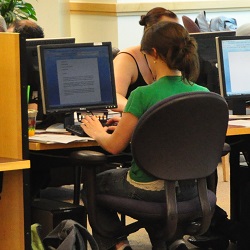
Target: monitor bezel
(52,40)
(47,109)
(221,68)
(213,34)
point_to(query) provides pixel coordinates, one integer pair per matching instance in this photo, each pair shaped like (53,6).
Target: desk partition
(14,198)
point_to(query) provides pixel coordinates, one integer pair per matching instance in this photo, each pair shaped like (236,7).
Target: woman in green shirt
(172,57)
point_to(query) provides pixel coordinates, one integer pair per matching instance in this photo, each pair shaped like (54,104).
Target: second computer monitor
(234,64)
(32,59)
(206,44)
(33,79)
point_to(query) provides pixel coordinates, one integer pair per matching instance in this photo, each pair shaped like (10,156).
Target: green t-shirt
(142,98)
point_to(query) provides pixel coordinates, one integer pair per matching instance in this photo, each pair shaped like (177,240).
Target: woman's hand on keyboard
(92,126)
(112,122)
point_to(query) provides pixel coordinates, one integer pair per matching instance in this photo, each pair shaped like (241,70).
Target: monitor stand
(238,107)
(50,119)
(69,119)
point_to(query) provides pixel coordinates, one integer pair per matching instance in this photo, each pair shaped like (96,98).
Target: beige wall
(117,20)
(53,16)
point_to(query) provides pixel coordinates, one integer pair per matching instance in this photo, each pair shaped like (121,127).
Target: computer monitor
(76,77)
(234,64)
(206,44)
(33,79)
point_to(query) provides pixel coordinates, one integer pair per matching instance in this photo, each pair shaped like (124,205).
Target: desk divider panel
(14,199)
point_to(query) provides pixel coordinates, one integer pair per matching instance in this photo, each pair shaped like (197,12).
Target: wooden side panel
(11,210)
(10,97)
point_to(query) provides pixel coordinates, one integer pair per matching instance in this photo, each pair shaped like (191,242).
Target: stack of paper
(57,138)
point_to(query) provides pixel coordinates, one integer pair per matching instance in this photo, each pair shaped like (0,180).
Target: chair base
(213,241)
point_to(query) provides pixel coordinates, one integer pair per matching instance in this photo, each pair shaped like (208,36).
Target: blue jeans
(114,182)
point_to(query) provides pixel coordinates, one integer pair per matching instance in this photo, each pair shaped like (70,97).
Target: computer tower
(49,213)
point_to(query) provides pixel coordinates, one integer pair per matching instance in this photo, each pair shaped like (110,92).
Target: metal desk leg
(235,184)
(77,185)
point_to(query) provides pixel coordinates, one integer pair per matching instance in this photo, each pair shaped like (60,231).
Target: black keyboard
(76,130)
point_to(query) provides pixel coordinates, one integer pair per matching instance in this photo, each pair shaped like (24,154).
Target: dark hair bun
(143,22)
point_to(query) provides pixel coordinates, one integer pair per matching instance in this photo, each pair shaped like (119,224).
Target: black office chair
(179,138)
(190,25)
(115,51)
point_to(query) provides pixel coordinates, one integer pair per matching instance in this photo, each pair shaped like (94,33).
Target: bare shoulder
(134,50)
(125,68)
(129,53)
(125,56)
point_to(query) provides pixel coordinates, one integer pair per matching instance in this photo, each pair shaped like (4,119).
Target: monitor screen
(206,44)
(234,64)
(33,79)
(76,77)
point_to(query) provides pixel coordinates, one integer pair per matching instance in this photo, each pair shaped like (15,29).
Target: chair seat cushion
(138,209)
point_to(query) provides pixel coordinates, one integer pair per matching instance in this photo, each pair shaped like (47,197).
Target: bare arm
(118,140)
(126,73)
(121,102)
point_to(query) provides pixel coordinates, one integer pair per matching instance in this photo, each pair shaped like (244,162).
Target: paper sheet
(244,123)
(58,138)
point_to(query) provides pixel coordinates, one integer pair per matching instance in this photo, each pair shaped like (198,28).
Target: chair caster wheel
(209,242)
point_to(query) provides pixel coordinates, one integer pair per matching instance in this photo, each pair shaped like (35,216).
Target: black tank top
(139,81)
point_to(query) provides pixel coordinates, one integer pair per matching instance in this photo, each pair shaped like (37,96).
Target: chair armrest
(226,149)
(88,158)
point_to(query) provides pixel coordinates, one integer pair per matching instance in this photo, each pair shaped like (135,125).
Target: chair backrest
(115,51)
(190,25)
(182,137)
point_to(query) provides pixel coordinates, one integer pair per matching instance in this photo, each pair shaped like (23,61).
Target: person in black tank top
(139,81)
(129,76)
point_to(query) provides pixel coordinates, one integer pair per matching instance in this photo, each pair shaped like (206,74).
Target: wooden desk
(7,164)
(232,131)
(237,130)
(42,146)
(12,204)
(37,146)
